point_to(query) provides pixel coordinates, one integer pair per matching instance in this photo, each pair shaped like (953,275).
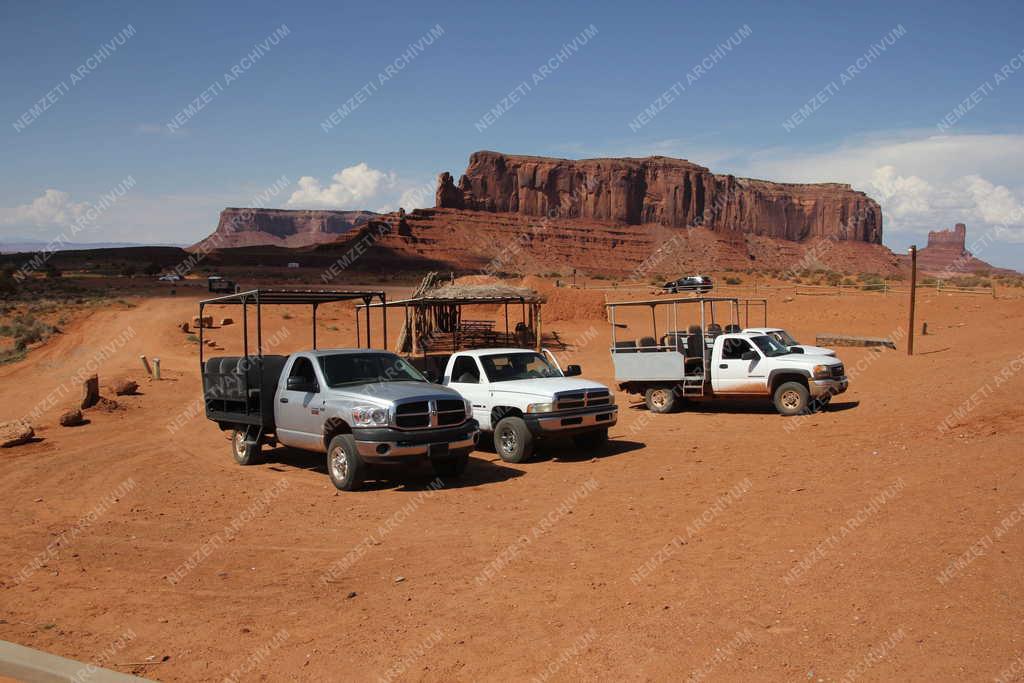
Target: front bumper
(551,424)
(386,445)
(828,387)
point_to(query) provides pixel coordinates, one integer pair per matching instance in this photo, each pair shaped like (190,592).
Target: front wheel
(345,467)
(791,398)
(591,441)
(513,440)
(245,450)
(661,399)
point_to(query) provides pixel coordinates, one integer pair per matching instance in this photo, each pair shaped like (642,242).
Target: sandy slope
(745,499)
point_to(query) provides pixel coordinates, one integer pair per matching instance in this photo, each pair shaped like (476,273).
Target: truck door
(467,379)
(734,367)
(297,411)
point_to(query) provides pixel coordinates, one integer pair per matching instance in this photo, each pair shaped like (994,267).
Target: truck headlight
(540,407)
(822,372)
(370,416)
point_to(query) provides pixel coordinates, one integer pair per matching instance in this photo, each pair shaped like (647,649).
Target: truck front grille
(413,415)
(582,399)
(427,414)
(838,370)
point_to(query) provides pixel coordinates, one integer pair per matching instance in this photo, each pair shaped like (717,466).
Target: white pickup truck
(521,396)
(786,339)
(739,365)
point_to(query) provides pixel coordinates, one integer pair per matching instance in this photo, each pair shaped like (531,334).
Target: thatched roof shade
(474,294)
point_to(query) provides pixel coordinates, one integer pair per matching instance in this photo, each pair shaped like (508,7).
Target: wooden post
(913,297)
(415,331)
(156,368)
(540,333)
(145,363)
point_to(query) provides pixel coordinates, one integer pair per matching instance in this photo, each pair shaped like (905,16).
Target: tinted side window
(733,349)
(465,370)
(303,368)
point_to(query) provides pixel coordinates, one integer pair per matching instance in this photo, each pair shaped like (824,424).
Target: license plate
(438,449)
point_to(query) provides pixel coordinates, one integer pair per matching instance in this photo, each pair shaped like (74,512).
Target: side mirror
(572,371)
(300,384)
(795,349)
(749,355)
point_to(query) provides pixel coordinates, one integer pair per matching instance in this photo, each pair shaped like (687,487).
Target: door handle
(724,366)
(284,400)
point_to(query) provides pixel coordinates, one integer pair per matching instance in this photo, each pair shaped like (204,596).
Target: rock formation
(246,227)
(947,254)
(669,192)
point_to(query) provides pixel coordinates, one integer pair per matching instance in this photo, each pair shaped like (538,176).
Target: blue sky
(259,138)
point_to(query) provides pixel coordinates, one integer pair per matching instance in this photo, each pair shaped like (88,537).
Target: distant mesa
(660,190)
(947,253)
(248,227)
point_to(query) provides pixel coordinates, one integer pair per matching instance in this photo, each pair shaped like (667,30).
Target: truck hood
(544,387)
(808,360)
(386,393)
(816,350)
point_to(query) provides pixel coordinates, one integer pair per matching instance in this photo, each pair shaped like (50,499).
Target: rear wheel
(591,441)
(513,440)
(346,469)
(245,447)
(661,399)
(791,398)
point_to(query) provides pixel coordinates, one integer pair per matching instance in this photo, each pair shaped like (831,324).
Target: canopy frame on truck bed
(255,411)
(641,364)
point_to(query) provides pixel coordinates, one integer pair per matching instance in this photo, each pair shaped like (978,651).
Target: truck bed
(241,389)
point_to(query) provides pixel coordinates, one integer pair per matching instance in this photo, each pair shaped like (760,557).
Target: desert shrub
(25,330)
(733,281)
(151,269)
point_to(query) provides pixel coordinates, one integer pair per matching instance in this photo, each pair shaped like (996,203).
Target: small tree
(152,268)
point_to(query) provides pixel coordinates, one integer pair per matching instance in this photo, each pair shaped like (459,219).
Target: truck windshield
(505,367)
(783,337)
(364,368)
(769,346)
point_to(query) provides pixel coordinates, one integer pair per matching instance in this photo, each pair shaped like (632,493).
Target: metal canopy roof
(464,301)
(293,296)
(679,300)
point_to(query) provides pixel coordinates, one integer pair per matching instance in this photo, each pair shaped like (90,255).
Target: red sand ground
(745,499)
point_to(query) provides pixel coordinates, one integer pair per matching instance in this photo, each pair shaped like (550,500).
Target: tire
(344,466)
(791,398)
(450,467)
(513,440)
(245,450)
(591,441)
(661,399)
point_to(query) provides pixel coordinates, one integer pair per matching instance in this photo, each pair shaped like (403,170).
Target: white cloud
(350,188)
(52,209)
(923,182)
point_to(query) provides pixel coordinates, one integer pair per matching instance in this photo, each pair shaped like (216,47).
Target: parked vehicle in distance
(170,277)
(691,283)
(215,283)
(522,396)
(787,340)
(707,363)
(357,406)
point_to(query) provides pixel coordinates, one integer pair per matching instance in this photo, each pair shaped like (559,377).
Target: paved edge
(35,666)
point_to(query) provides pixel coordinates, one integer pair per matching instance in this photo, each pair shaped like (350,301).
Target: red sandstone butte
(245,227)
(661,190)
(947,254)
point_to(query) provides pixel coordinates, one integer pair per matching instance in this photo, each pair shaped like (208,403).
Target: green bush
(733,281)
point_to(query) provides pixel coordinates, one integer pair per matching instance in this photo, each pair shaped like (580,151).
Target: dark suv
(692,283)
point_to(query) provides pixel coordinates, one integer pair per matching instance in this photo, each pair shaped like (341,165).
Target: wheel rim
(791,399)
(508,441)
(659,398)
(339,463)
(240,443)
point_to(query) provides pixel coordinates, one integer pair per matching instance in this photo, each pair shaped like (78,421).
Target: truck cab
(786,339)
(521,396)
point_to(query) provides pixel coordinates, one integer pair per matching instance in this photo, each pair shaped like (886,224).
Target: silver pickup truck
(357,406)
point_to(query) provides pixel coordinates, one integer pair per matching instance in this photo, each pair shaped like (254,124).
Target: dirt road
(720,543)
